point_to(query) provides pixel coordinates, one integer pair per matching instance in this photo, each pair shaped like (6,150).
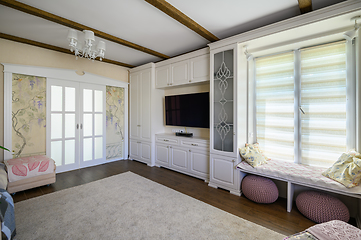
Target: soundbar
(183,134)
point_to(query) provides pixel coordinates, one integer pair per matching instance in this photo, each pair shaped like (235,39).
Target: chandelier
(87,50)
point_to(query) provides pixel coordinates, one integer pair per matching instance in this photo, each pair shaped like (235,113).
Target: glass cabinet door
(223,101)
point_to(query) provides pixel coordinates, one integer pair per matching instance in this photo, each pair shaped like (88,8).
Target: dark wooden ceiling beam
(305,6)
(55,48)
(68,23)
(173,12)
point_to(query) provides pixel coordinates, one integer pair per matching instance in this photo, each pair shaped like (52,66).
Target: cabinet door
(134,105)
(134,149)
(199,163)
(145,105)
(222,102)
(162,154)
(180,73)
(162,76)
(199,69)
(223,173)
(179,158)
(145,152)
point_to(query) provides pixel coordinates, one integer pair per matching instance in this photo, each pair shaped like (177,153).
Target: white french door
(92,124)
(75,124)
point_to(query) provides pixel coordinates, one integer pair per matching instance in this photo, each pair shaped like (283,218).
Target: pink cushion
(259,189)
(321,207)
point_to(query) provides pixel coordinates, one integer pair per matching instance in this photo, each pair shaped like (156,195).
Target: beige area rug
(128,206)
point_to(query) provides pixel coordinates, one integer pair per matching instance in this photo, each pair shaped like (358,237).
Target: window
(302,111)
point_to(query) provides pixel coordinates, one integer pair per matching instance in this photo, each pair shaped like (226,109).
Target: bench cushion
(297,173)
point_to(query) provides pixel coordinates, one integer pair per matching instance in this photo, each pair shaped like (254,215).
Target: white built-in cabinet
(146,113)
(228,131)
(187,70)
(186,155)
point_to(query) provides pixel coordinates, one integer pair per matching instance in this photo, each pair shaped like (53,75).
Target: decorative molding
(55,48)
(182,18)
(74,25)
(291,23)
(305,6)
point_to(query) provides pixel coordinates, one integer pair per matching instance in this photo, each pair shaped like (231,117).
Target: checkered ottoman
(321,207)
(259,189)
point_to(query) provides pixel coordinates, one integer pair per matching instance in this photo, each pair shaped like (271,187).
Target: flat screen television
(187,110)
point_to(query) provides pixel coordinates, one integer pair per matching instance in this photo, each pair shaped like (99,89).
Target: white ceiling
(141,23)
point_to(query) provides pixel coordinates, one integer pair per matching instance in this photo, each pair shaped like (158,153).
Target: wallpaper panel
(114,122)
(28,115)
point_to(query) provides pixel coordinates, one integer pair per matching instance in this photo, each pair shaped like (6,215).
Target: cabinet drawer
(201,145)
(162,139)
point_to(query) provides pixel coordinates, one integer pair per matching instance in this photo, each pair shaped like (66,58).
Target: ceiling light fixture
(349,35)
(86,51)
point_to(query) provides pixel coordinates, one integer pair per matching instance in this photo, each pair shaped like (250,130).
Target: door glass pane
(88,125)
(98,148)
(69,99)
(87,100)
(56,98)
(69,151)
(69,125)
(56,125)
(87,149)
(56,152)
(98,101)
(98,125)
(223,101)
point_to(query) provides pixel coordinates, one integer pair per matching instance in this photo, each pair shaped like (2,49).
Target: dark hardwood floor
(273,216)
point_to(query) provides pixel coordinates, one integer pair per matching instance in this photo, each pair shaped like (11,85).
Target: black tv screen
(188,110)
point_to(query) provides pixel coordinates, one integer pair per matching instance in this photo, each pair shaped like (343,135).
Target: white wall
(19,53)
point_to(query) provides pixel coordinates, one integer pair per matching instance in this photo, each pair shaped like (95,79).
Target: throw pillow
(256,147)
(252,156)
(346,170)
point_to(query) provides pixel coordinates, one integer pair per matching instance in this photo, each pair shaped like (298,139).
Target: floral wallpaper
(28,115)
(114,122)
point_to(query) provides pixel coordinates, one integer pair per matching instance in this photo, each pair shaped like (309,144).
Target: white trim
(297,104)
(7,115)
(351,96)
(63,74)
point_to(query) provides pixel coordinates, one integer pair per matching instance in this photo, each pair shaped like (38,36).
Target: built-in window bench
(303,175)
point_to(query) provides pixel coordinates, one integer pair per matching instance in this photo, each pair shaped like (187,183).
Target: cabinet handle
(190,80)
(167,146)
(170,83)
(194,144)
(190,150)
(138,125)
(165,140)
(139,142)
(170,146)
(77,126)
(233,160)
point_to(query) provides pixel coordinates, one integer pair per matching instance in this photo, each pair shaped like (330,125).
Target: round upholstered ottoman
(321,207)
(259,189)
